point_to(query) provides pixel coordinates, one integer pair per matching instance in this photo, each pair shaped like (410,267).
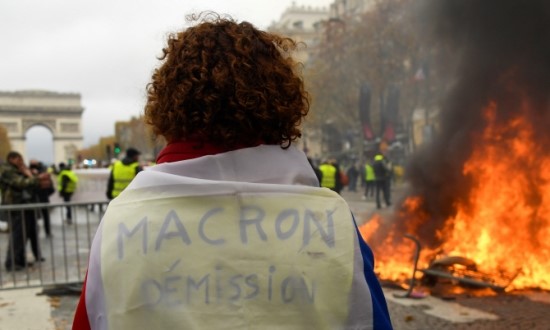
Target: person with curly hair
(230,229)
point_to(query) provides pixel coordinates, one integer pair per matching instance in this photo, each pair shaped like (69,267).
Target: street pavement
(45,309)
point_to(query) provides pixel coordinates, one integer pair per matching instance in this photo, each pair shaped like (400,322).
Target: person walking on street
(229,230)
(382,177)
(20,186)
(66,184)
(123,172)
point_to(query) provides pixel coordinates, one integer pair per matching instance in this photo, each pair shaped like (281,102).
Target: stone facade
(303,24)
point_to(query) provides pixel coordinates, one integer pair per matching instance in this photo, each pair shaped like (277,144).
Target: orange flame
(504,226)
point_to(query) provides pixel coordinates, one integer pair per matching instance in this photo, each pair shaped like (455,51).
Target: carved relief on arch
(10,126)
(48,123)
(70,128)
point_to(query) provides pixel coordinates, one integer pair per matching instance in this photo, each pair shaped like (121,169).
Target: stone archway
(61,113)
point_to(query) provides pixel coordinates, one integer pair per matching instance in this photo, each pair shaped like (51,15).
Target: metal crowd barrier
(65,251)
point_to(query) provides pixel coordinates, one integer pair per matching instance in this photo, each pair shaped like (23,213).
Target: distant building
(347,9)
(303,24)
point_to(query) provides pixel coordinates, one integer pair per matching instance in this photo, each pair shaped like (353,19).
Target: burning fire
(503,224)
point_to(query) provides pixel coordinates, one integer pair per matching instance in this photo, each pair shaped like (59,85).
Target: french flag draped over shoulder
(232,239)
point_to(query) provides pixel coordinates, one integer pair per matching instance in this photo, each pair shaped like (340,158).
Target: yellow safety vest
(71,185)
(369,173)
(122,176)
(329,176)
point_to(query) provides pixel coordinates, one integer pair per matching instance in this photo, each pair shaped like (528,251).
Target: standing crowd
(21,184)
(376,177)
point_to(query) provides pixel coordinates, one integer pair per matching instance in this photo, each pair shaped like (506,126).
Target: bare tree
(380,47)
(5,145)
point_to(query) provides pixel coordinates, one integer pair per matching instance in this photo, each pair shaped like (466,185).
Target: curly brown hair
(228,84)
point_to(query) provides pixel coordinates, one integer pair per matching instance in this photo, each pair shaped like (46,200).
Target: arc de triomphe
(61,113)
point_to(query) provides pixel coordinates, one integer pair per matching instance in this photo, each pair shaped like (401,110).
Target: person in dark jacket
(382,177)
(353,174)
(340,184)
(44,194)
(123,172)
(19,186)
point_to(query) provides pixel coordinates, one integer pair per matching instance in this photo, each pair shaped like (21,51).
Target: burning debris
(481,190)
(458,270)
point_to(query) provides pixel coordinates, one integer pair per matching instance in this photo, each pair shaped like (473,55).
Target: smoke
(498,50)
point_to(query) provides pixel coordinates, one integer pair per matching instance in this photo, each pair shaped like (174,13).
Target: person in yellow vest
(66,184)
(123,172)
(370,180)
(329,174)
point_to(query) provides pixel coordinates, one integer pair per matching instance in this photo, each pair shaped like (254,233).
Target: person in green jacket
(66,184)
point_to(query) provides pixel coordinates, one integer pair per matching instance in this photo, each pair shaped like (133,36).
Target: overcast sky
(103,49)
